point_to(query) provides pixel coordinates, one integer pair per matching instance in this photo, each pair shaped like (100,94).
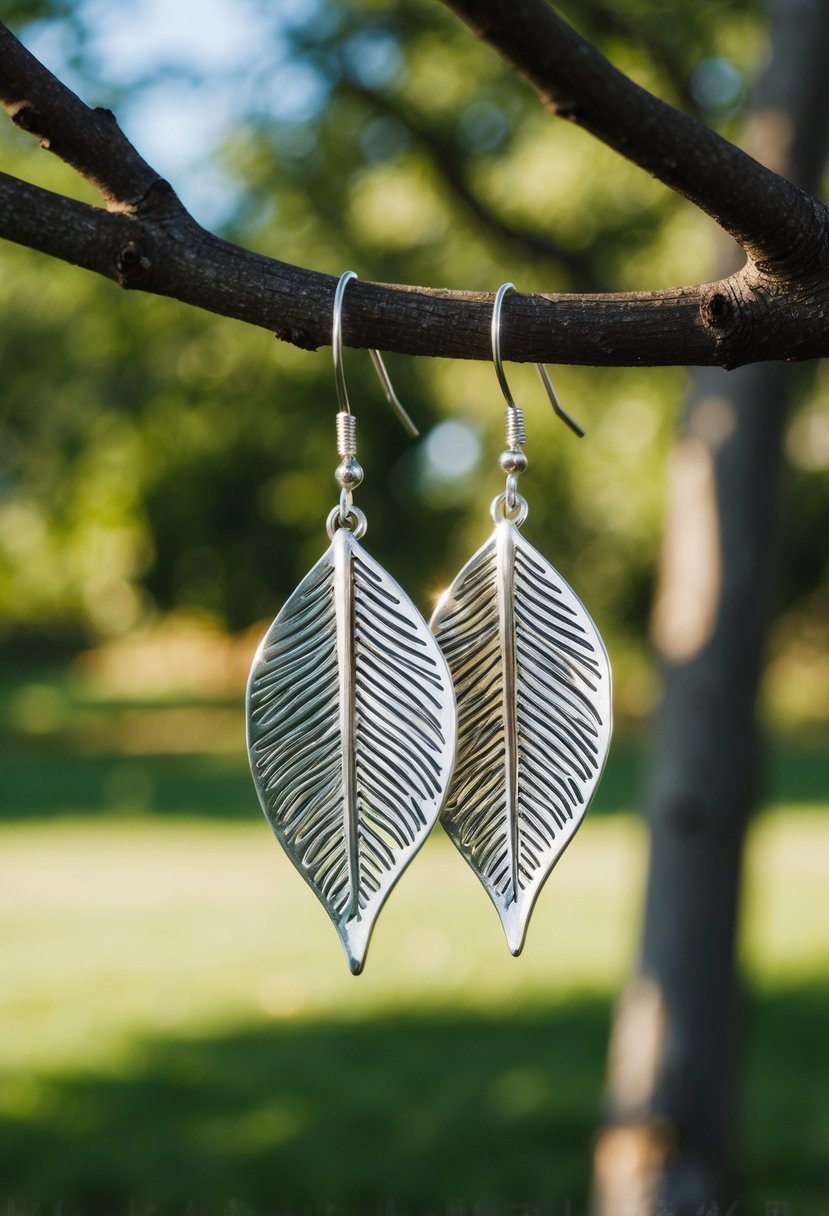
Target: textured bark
(670,1135)
(775,307)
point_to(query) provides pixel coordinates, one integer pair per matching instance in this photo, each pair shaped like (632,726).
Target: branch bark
(89,140)
(769,216)
(776,307)
(161,249)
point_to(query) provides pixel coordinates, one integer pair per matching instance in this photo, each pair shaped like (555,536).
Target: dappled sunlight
(807,442)
(796,681)
(179,731)
(175,688)
(114,928)
(637,1043)
(397,205)
(159,458)
(135,923)
(37,712)
(178,656)
(785,926)
(448,458)
(179,1000)
(179,1032)
(684,613)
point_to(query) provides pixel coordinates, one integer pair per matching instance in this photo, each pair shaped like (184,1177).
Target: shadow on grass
(396,1115)
(785,1101)
(46,782)
(49,783)
(402,1115)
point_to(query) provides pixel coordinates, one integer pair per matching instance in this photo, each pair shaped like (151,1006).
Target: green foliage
(154,458)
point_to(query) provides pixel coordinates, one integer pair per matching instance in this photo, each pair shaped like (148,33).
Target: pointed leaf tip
(514,921)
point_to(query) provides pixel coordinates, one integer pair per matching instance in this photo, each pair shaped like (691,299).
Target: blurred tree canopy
(154,458)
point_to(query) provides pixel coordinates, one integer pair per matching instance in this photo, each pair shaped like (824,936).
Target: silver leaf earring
(350,711)
(532,682)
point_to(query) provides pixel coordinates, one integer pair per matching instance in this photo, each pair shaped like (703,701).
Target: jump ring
(355,522)
(501,510)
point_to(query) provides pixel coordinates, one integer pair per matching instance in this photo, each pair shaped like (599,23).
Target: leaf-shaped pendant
(532,682)
(351,734)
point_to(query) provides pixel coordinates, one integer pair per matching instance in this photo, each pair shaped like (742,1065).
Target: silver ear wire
(568,419)
(543,374)
(376,358)
(495,337)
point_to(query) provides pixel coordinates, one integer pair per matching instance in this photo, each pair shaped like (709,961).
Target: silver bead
(513,461)
(349,474)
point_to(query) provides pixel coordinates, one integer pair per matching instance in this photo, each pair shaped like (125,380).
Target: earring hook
(376,358)
(544,375)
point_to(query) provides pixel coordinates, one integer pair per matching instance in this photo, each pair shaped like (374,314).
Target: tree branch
(147,241)
(769,216)
(661,51)
(89,140)
(177,258)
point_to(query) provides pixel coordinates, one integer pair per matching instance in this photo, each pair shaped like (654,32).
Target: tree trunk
(668,1141)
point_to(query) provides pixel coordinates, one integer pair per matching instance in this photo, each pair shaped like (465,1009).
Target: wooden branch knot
(27,118)
(297,337)
(742,316)
(717,309)
(131,262)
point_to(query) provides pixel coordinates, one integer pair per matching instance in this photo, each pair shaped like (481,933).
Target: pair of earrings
(365,723)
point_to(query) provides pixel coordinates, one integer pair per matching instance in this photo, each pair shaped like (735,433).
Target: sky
(178,72)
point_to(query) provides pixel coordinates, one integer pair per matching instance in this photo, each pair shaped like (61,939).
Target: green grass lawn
(180,1034)
(178,1024)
